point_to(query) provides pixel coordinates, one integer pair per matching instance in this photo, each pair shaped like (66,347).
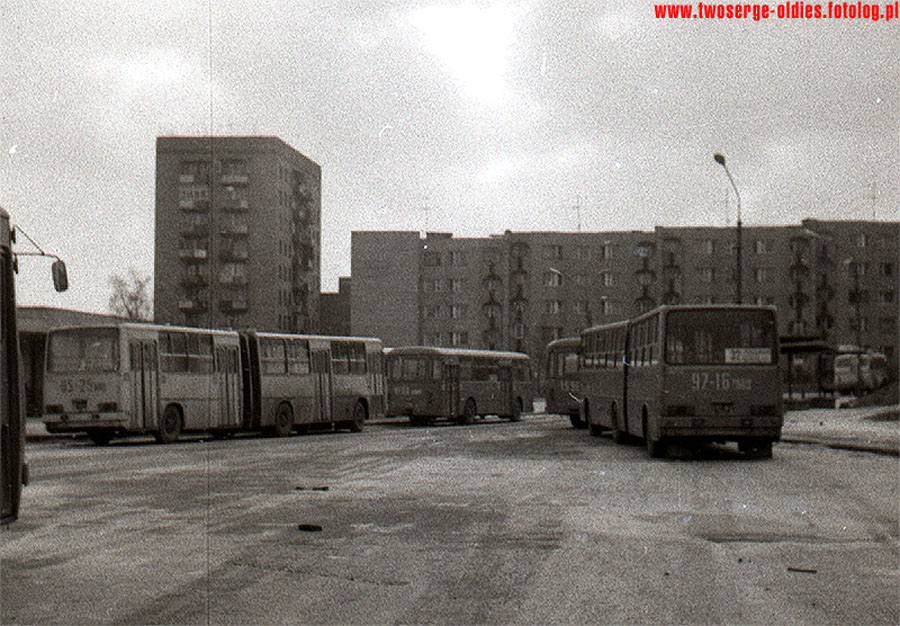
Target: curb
(874,448)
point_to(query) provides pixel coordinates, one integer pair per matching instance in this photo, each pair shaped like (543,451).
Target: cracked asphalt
(494,523)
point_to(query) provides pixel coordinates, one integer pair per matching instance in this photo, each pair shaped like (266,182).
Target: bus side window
(356,355)
(340,357)
(134,357)
(298,356)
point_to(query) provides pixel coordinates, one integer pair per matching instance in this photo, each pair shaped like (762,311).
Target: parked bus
(860,371)
(562,388)
(145,379)
(687,374)
(13,469)
(425,383)
(296,381)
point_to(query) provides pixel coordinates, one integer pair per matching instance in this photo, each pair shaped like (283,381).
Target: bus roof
(565,342)
(665,308)
(275,335)
(465,352)
(146,327)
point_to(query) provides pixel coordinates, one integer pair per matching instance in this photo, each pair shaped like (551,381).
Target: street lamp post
(720,159)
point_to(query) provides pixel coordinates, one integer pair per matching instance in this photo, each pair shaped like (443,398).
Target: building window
(459,338)
(456,285)
(431,259)
(581,307)
(706,274)
(457,257)
(760,246)
(552,279)
(433,285)
(760,275)
(432,312)
(707,246)
(553,252)
(862,240)
(887,269)
(549,333)
(606,279)
(552,306)
(583,252)
(458,311)
(606,251)
(606,306)
(887,296)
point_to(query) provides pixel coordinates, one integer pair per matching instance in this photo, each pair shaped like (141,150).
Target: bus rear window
(720,337)
(88,350)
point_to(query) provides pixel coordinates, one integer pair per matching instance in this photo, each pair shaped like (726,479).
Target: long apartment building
(830,279)
(238,222)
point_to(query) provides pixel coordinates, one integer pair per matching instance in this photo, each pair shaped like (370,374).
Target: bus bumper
(77,422)
(718,428)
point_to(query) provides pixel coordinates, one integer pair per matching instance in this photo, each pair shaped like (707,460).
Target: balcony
(235,179)
(192,254)
(232,204)
(234,230)
(194,280)
(192,305)
(234,255)
(233,306)
(194,205)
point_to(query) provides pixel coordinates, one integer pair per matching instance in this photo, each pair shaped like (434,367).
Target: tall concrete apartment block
(833,280)
(237,234)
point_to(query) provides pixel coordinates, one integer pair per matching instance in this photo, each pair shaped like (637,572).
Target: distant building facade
(334,310)
(835,280)
(238,223)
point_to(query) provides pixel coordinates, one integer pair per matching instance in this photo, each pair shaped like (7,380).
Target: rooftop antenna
(873,197)
(578,211)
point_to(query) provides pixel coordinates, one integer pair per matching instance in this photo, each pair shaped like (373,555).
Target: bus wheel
(594,429)
(577,420)
(655,447)
(617,435)
(169,425)
(468,416)
(517,411)
(284,421)
(759,449)
(359,416)
(100,436)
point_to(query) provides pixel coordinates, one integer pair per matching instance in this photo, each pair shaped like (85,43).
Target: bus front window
(720,337)
(79,351)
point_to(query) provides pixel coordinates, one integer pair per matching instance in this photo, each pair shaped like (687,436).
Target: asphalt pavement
(869,429)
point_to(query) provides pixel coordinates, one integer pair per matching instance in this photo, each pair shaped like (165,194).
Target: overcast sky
(461,116)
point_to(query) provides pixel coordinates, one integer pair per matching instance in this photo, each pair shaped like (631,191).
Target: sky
(463,116)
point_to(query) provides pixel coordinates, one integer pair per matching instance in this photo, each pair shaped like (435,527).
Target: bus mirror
(60,277)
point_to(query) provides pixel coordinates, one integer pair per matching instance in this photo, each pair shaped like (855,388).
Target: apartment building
(829,279)
(238,224)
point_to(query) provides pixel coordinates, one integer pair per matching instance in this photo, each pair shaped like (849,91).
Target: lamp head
(720,159)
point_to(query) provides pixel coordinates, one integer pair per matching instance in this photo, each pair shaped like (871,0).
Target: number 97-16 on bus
(685,374)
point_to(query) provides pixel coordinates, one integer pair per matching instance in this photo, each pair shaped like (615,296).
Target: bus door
(321,366)
(144,384)
(507,397)
(451,389)
(228,386)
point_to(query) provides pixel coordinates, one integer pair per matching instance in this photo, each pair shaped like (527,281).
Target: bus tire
(100,436)
(594,429)
(468,414)
(655,448)
(170,425)
(617,435)
(517,410)
(756,449)
(360,415)
(577,421)
(284,421)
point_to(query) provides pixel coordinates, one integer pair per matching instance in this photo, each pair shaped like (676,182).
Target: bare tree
(131,297)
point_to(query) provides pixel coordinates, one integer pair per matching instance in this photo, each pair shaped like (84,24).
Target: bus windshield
(720,337)
(83,350)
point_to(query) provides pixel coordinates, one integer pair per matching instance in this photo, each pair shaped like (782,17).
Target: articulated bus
(562,387)
(686,374)
(144,379)
(425,383)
